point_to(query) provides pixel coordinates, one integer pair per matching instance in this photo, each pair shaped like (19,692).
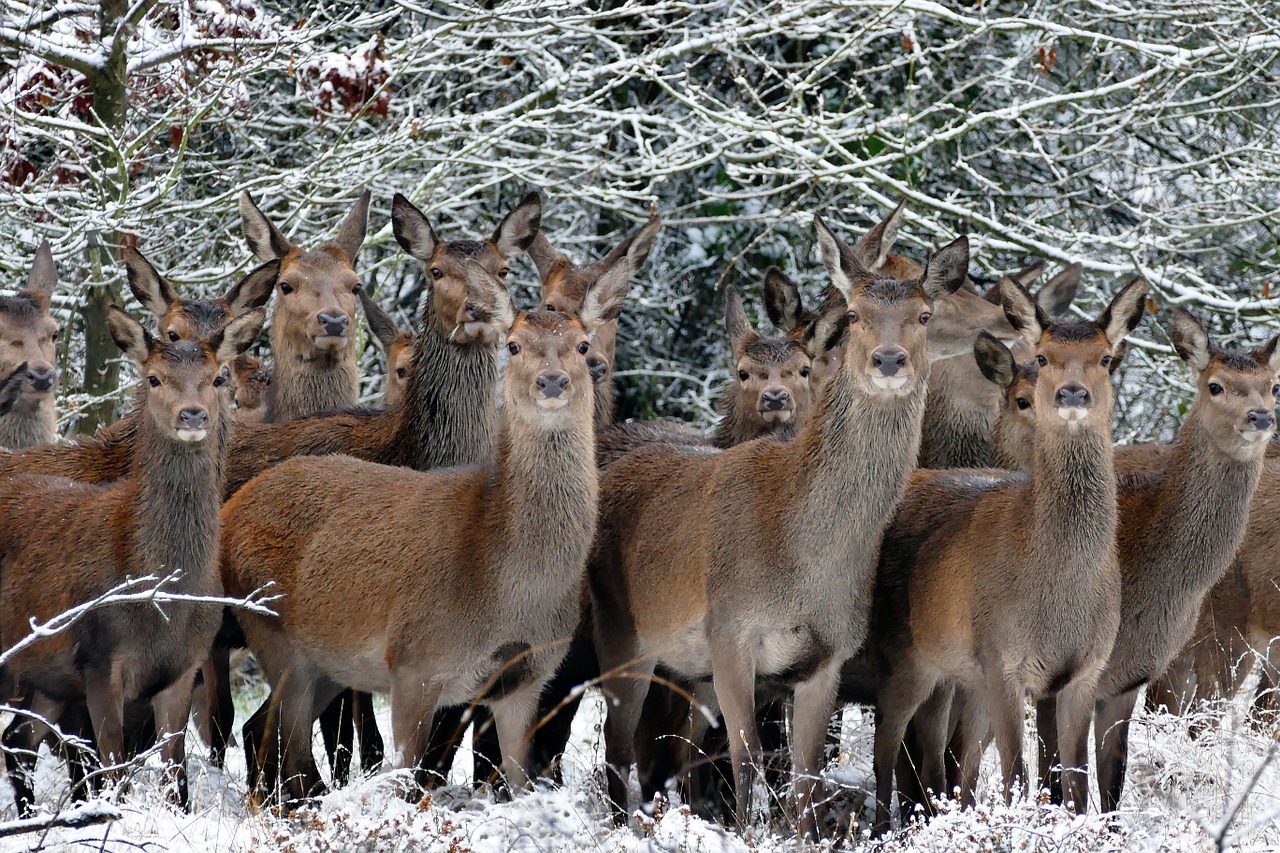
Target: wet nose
(553,383)
(889,360)
(40,377)
(775,399)
(598,368)
(1261,419)
(1073,396)
(194,418)
(334,325)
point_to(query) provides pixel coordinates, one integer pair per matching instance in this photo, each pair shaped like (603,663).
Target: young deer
(63,543)
(500,631)
(312,333)
(396,346)
(27,336)
(1033,611)
(755,565)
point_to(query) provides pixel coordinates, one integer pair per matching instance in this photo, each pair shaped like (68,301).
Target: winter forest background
(1130,136)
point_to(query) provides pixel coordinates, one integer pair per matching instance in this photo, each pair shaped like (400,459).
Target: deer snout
(193,423)
(40,377)
(552,385)
(333,323)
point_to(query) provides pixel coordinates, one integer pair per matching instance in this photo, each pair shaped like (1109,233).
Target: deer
(500,634)
(754,565)
(1037,612)
(395,344)
(28,335)
(312,334)
(64,542)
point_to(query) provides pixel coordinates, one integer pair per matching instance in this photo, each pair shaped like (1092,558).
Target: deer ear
(381,323)
(1027,318)
(1125,311)
(488,298)
(265,240)
(995,361)
(130,335)
(605,299)
(238,335)
(413,231)
(873,250)
(146,285)
(782,301)
(1190,340)
(43,277)
(353,227)
(518,228)
(947,269)
(1060,291)
(254,290)
(736,324)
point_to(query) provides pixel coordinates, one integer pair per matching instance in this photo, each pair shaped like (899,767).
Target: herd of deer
(489,540)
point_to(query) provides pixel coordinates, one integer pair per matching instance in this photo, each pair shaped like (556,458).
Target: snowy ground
(1181,789)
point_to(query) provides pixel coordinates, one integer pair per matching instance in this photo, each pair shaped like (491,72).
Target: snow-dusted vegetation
(1131,137)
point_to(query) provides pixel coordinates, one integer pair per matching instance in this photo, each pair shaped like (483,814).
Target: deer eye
(154,380)
(1215,389)
(743,375)
(583,347)
(173,336)
(925,318)
(401,372)
(1023,403)
(804,372)
(513,348)
(286,287)
(436,272)
(1106,361)
(1042,361)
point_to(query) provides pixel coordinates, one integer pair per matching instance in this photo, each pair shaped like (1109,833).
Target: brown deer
(63,543)
(27,336)
(755,565)
(501,631)
(312,334)
(396,346)
(1033,611)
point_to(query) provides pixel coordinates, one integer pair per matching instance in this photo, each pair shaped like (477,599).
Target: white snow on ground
(1181,789)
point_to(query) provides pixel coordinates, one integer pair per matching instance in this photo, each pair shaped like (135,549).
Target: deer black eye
(925,318)
(1106,361)
(401,372)
(1042,361)
(154,380)
(513,348)
(436,272)
(583,347)
(743,375)
(804,372)
(285,287)
(173,336)
(1023,403)
(1215,389)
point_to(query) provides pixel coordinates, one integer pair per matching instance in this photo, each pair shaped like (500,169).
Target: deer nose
(1073,396)
(553,382)
(889,360)
(1261,419)
(40,377)
(194,418)
(598,367)
(334,325)
(775,399)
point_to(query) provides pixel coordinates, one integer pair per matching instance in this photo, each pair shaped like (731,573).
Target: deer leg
(1050,762)
(734,678)
(1111,740)
(414,698)
(1075,711)
(372,749)
(22,739)
(338,730)
(815,701)
(1005,701)
(172,707)
(896,703)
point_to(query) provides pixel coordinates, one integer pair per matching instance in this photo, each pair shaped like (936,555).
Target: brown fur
(753,563)
(63,543)
(27,337)
(1032,610)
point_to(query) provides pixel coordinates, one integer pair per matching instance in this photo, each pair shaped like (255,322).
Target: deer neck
(1073,499)
(177,494)
(737,426)
(448,415)
(308,386)
(29,425)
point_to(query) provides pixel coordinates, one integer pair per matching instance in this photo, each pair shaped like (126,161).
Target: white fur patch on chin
(890,383)
(192,435)
(551,402)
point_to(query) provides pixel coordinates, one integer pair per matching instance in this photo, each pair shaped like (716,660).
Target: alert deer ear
(873,250)
(353,227)
(238,335)
(947,269)
(736,324)
(43,277)
(411,228)
(254,290)
(1190,340)
(518,228)
(381,324)
(995,360)
(147,285)
(782,301)
(265,240)
(488,298)
(1125,311)
(130,335)
(1060,291)
(1027,318)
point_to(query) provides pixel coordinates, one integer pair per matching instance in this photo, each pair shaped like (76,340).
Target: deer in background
(63,543)
(755,565)
(1032,611)
(27,337)
(407,538)
(313,337)
(396,346)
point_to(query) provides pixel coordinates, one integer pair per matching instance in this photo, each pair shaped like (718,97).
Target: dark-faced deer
(755,565)
(396,346)
(27,336)
(467,610)
(313,328)
(63,543)
(1031,611)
